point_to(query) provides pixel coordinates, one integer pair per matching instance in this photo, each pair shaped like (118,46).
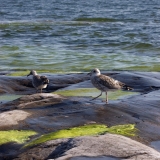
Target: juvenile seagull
(105,83)
(38,82)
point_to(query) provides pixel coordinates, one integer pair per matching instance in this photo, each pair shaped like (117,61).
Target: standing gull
(105,83)
(38,82)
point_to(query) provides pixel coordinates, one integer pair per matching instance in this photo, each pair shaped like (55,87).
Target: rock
(14,84)
(12,117)
(91,146)
(68,78)
(32,101)
(50,112)
(140,81)
(46,112)
(23,85)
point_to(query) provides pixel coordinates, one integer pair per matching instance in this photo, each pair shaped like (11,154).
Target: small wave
(39,24)
(99,19)
(139,46)
(9,48)
(143,45)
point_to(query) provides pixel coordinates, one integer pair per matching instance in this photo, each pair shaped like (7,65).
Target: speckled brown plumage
(38,82)
(105,83)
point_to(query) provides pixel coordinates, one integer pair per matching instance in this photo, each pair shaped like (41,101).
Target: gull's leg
(97,96)
(36,90)
(41,90)
(106,98)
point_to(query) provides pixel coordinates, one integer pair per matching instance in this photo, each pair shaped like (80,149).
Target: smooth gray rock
(92,146)
(10,118)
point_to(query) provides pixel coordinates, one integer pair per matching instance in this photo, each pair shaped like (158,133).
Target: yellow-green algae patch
(24,73)
(15,136)
(9,97)
(95,92)
(87,130)
(19,73)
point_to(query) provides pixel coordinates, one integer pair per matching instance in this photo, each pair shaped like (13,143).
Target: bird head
(32,72)
(95,72)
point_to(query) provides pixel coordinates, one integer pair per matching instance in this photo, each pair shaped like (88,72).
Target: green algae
(86,130)
(126,130)
(94,92)
(15,136)
(26,72)
(9,97)
(19,73)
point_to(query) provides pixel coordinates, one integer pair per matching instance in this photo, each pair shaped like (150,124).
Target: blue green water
(75,36)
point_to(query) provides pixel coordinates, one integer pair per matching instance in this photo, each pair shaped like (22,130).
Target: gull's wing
(109,82)
(44,79)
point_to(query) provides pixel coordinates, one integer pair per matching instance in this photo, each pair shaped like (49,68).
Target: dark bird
(38,82)
(105,83)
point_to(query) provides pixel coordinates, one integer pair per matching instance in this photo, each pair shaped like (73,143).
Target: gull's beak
(28,75)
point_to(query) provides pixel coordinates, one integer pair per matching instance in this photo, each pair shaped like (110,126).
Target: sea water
(78,35)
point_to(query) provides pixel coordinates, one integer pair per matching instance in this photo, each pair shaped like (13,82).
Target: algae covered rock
(15,136)
(90,129)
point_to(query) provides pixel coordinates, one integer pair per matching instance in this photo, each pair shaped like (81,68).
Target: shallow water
(8,97)
(92,92)
(156,145)
(75,36)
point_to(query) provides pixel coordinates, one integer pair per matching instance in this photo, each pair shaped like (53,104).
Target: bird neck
(35,73)
(97,74)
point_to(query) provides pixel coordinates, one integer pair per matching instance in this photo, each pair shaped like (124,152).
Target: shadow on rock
(9,151)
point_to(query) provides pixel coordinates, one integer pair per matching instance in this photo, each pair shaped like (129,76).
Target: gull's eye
(94,71)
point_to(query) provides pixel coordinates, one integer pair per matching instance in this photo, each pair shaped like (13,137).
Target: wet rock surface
(47,112)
